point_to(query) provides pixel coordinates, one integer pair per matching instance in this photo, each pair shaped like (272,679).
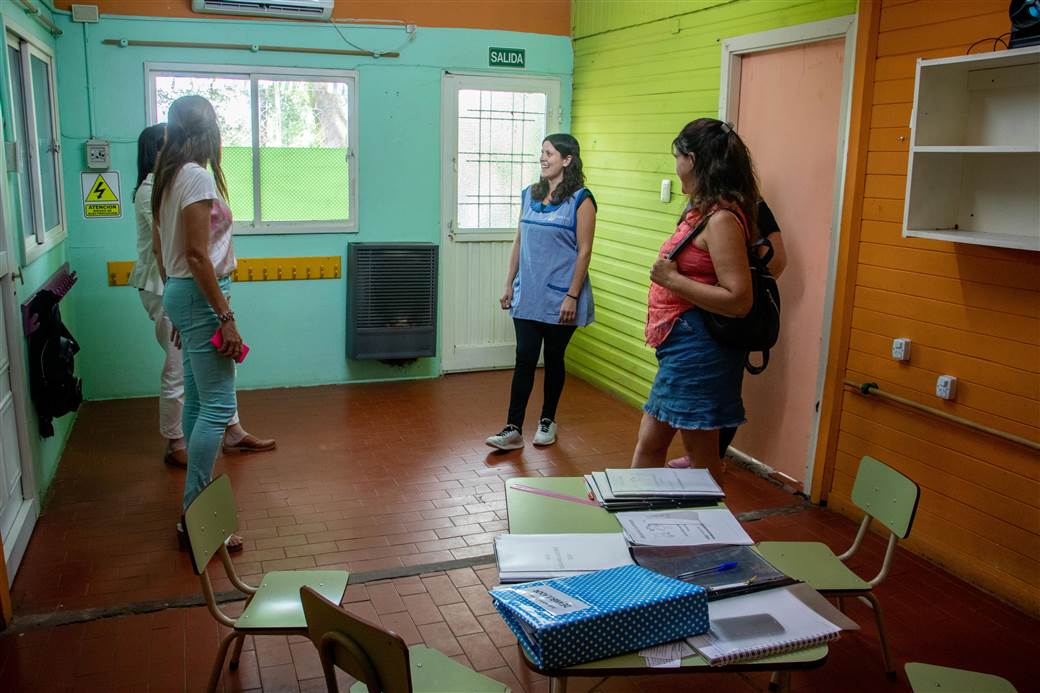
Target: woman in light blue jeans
(192,243)
(209,377)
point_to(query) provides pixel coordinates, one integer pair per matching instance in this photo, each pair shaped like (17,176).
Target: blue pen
(721,568)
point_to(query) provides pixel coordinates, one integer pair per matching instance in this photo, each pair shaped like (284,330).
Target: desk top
(530,513)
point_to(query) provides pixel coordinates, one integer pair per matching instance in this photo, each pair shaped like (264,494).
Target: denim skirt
(698,380)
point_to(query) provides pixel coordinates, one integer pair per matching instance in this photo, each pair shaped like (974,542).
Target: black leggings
(529,337)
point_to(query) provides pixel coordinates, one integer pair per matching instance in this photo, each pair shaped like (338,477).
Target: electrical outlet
(666,190)
(901,349)
(97,154)
(946,387)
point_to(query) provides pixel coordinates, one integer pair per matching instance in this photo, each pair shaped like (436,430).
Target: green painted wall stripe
(642,71)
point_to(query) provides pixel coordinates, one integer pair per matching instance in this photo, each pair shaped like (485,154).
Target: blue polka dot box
(579,619)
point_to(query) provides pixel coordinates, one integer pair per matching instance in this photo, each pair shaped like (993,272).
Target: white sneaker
(546,434)
(509,438)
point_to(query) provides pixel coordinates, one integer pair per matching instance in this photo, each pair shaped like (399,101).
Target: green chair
(930,678)
(883,494)
(379,659)
(274,607)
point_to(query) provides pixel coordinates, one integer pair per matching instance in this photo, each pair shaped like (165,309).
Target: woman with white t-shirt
(146,278)
(192,244)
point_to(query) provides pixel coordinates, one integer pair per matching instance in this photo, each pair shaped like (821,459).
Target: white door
(17,492)
(492,130)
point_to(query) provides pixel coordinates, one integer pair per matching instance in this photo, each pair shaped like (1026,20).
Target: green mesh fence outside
(296,183)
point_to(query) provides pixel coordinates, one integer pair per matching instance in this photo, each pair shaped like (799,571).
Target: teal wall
(297,329)
(46,452)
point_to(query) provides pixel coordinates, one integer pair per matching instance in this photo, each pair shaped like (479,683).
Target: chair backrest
(209,520)
(886,495)
(360,648)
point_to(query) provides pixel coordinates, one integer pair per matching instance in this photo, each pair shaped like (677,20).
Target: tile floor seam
(41,620)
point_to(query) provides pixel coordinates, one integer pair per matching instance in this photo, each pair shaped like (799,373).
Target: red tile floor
(393,483)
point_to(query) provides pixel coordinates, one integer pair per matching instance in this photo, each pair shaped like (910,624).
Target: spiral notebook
(768,623)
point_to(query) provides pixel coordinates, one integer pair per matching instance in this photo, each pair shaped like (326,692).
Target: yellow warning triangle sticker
(100,192)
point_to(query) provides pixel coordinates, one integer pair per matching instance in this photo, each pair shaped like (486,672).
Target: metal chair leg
(329,669)
(889,671)
(218,666)
(237,652)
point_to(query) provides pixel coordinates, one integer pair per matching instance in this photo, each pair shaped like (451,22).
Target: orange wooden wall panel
(971,311)
(533,16)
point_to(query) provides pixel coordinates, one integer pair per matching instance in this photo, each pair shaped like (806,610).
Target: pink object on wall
(790,103)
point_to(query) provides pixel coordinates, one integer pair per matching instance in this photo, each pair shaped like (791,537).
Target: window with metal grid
(500,135)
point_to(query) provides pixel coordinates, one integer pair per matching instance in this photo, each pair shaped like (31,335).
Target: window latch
(54,148)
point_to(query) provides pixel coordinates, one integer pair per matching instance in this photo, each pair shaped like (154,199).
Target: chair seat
(433,672)
(276,605)
(928,677)
(814,563)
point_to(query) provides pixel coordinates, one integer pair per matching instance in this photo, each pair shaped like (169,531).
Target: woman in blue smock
(547,290)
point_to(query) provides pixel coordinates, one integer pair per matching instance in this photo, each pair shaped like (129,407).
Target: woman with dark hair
(149,283)
(697,388)
(192,245)
(547,290)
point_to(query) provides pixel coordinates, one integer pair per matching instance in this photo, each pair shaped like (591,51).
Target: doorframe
(733,50)
(29,512)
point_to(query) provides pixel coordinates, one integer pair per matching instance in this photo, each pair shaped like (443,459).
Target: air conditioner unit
(295,9)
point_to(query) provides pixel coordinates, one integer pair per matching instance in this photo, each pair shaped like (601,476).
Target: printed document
(683,528)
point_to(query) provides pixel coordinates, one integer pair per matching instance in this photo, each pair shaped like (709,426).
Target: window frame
(451,84)
(39,239)
(256,73)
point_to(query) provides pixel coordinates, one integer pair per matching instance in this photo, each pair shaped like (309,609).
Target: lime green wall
(641,72)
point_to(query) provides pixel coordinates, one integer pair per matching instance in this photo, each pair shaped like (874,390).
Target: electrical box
(946,387)
(666,190)
(901,349)
(97,154)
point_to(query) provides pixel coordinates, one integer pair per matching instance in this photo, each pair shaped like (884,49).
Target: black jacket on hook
(55,389)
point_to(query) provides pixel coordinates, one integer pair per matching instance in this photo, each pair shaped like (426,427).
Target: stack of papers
(653,489)
(703,527)
(768,623)
(526,557)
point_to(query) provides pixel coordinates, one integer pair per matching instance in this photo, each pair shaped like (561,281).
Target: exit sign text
(507,57)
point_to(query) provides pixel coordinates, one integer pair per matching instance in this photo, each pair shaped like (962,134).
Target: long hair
(573,175)
(722,167)
(149,142)
(192,135)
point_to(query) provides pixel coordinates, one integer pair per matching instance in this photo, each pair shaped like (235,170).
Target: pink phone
(217,340)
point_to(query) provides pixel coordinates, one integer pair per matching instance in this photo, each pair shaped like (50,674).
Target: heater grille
(392,302)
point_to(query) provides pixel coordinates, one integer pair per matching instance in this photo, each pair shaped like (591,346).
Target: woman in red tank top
(697,387)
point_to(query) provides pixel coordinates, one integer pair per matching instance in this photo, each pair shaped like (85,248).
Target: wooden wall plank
(986,296)
(949,314)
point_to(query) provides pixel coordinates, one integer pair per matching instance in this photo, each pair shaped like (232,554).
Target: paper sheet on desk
(683,528)
(667,655)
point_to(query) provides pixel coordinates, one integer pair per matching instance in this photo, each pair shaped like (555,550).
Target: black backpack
(55,389)
(760,328)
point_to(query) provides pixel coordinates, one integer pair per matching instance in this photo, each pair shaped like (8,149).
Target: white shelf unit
(974,170)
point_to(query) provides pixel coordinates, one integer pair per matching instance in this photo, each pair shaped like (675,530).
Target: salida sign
(507,57)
